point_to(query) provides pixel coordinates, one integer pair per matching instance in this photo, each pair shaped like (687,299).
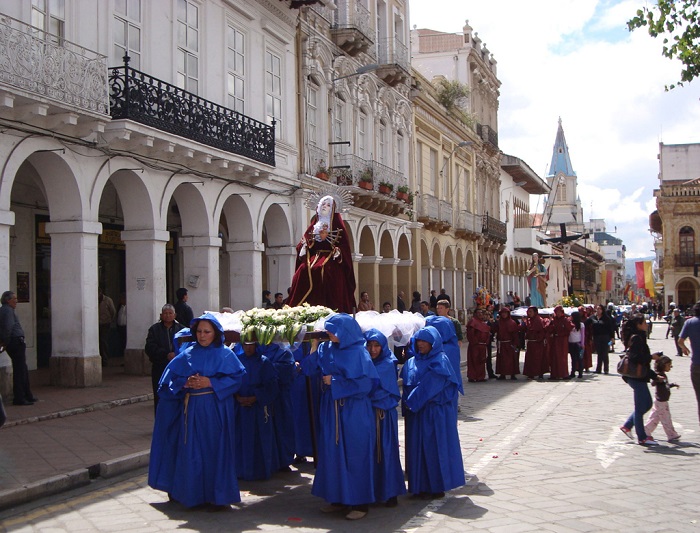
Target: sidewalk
(72,435)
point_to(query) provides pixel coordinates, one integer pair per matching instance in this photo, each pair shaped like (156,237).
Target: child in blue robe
(192,450)
(388,475)
(450,346)
(433,456)
(282,411)
(347,434)
(254,427)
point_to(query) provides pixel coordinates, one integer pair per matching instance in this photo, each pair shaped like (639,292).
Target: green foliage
(450,92)
(678,23)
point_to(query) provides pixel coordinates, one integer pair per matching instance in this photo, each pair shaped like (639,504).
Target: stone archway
(386,278)
(279,256)
(686,292)
(243,264)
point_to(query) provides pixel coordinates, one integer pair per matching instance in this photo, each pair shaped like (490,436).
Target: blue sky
(576,60)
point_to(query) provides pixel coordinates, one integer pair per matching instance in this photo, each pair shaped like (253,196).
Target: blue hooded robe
(282,411)
(193,445)
(347,433)
(450,346)
(433,455)
(388,475)
(254,428)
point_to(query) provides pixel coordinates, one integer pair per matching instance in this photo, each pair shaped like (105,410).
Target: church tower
(563,204)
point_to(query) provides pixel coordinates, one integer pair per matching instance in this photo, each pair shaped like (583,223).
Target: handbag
(630,369)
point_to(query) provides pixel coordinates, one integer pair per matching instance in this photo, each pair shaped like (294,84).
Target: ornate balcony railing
(324,11)
(445,212)
(487,134)
(686,260)
(353,15)
(467,222)
(140,97)
(50,67)
(428,207)
(385,174)
(494,229)
(392,52)
(316,159)
(680,190)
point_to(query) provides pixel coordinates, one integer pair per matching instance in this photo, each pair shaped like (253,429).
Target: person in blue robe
(347,434)
(282,411)
(450,346)
(388,475)
(193,445)
(302,387)
(254,427)
(433,456)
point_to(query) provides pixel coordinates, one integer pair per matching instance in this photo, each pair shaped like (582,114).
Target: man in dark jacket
(160,346)
(12,336)
(183,312)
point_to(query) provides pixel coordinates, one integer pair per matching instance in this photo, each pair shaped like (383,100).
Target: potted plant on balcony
(322,171)
(402,193)
(367,179)
(385,187)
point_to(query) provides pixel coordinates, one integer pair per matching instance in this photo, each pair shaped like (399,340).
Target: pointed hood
(444,326)
(211,318)
(428,334)
(346,329)
(378,336)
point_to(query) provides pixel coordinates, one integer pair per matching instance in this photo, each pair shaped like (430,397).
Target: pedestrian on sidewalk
(691,331)
(639,354)
(603,331)
(661,412)
(433,455)
(183,312)
(577,339)
(193,455)
(676,325)
(161,346)
(106,315)
(388,474)
(12,336)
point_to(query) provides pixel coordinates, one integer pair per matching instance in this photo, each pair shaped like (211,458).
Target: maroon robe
(321,278)
(478,334)
(536,362)
(508,338)
(558,330)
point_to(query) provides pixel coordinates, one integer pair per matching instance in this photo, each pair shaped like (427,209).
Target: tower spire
(561,162)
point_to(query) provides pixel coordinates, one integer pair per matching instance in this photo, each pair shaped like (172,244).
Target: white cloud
(576,60)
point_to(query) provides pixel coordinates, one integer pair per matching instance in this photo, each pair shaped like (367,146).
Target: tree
(678,22)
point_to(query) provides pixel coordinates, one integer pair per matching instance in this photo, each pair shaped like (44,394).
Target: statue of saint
(536,277)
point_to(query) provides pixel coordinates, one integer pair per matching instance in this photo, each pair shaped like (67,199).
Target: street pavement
(540,456)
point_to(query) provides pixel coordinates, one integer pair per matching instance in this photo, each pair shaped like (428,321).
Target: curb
(101,406)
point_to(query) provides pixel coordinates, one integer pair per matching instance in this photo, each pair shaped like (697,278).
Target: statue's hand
(302,252)
(336,253)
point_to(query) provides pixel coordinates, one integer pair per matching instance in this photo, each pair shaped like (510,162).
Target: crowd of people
(248,411)
(242,412)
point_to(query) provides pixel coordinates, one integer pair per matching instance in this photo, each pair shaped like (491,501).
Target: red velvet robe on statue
(478,334)
(321,278)
(536,362)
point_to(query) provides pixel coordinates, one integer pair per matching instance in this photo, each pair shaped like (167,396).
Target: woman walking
(603,331)
(639,354)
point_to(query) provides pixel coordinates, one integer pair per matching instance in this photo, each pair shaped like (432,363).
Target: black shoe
(392,502)
(493,376)
(580,375)
(22,402)
(299,459)
(501,378)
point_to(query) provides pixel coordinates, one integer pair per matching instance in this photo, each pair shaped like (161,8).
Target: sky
(575,59)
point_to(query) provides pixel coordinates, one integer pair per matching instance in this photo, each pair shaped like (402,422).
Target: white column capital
(74,226)
(245,247)
(201,240)
(7,218)
(280,250)
(145,235)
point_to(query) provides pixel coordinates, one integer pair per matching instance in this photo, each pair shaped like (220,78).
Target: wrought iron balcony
(392,55)
(494,229)
(487,134)
(50,67)
(140,97)
(352,30)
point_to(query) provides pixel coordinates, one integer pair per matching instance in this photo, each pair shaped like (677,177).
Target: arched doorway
(686,293)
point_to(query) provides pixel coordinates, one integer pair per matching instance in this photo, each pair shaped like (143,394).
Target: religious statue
(324,273)
(536,277)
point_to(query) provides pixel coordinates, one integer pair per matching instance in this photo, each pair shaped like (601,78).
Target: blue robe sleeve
(342,387)
(430,386)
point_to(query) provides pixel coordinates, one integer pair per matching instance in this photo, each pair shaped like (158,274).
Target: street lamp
(460,144)
(360,70)
(516,184)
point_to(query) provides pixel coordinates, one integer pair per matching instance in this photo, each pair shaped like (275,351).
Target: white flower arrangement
(270,325)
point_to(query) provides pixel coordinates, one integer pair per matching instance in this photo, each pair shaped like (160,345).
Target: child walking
(661,412)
